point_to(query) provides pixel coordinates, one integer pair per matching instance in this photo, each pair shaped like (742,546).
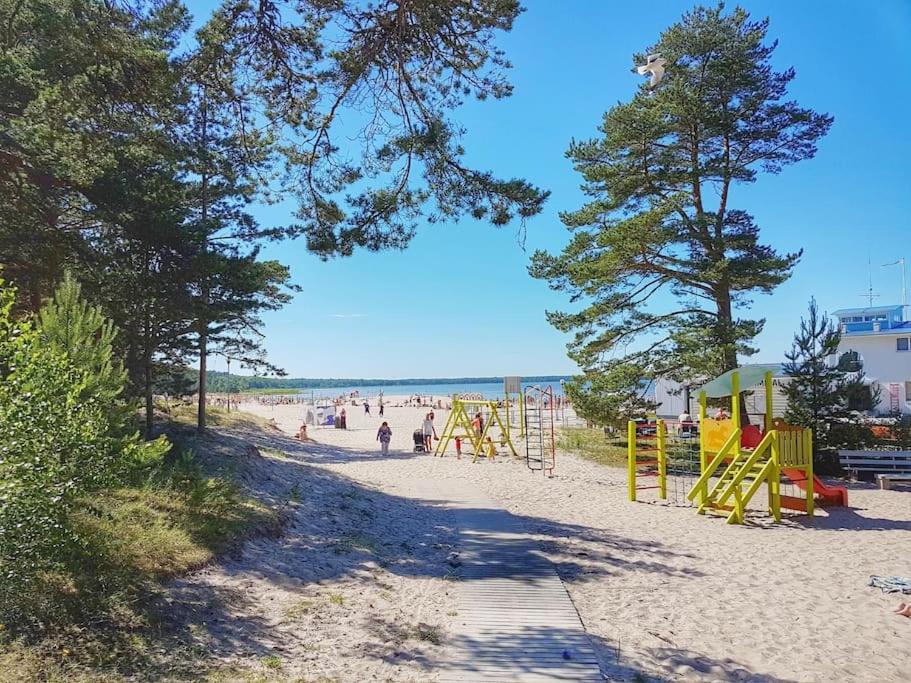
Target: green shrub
(57,443)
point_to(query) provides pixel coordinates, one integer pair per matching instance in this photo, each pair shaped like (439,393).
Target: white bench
(893,465)
(885,480)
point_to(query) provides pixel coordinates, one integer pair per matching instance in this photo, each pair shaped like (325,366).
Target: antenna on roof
(901,262)
(870,295)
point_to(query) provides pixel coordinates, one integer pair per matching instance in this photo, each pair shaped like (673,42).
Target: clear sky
(459,300)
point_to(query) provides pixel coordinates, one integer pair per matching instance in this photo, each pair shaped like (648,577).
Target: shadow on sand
(340,528)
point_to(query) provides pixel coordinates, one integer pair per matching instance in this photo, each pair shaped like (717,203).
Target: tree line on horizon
(222,382)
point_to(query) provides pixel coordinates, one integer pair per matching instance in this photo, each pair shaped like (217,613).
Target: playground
(720,464)
(661,590)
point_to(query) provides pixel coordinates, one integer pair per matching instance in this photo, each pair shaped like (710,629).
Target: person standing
(384,436)
(343,419)
(430,433)
(366,408)
(381,406)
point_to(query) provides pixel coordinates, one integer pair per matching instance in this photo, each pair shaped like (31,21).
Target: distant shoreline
(222,382)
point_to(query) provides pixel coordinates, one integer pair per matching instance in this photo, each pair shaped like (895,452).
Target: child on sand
(491,449)
(458,444)
(384,436)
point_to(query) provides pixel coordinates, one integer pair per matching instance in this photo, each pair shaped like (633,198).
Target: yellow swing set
(460,425)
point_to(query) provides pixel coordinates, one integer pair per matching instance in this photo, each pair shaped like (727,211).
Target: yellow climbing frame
(459,425)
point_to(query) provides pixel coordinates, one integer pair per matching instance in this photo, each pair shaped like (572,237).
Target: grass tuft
(592,445)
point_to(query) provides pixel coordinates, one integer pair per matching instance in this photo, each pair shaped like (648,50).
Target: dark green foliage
(661,258)
(133,160)
(57,437)
(823,392)
(611,396)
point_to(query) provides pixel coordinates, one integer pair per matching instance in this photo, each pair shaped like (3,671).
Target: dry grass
(184,414)
(101,617)
(593,445)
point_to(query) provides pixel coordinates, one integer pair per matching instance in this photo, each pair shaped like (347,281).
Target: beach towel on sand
(891,584)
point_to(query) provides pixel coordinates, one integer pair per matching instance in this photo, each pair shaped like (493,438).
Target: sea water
(487,390)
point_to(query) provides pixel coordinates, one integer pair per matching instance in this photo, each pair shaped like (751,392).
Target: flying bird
(654,64)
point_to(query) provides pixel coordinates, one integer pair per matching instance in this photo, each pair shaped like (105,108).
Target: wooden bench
(894,465)
(885,480)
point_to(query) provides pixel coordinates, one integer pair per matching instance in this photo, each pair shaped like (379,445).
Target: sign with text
(512,385)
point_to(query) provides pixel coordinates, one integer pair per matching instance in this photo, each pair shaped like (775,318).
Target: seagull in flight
(654,64)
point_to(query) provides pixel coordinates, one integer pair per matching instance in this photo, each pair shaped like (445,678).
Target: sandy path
(665,592)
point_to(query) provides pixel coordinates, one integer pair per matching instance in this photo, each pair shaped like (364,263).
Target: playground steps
(738,483)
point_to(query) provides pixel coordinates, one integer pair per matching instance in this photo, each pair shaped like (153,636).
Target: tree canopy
(131,153)
(661,259)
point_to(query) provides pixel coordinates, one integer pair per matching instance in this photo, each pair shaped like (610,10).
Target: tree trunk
(727,341)
(201,408)
(147,376)
(150,408)
(203,318)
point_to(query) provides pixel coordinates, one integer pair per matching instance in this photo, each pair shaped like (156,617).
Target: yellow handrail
(701,485)
(758,452)
(736,515)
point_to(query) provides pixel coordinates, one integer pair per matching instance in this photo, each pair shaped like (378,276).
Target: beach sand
(663,592)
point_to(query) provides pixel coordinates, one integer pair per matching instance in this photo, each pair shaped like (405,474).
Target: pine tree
(821,384)
(610,398)
(391,75)
(70,325)
(660,256)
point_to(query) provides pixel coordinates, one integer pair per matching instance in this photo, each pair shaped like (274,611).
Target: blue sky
(459,300)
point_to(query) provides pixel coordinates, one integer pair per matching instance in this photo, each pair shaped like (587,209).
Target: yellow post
(702,416)
(521,412)
(662,459)
(735,399)
(506,400)
(631,459)
(768,401)
(808,443)
(775,479)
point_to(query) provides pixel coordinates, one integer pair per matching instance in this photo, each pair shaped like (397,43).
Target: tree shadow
(340,529)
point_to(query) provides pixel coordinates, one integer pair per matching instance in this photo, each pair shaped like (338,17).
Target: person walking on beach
(384,436)
(381,405)
(366,408)
(343,419)
(430,433)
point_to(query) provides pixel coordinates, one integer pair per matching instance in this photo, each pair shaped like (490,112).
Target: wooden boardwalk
(515,619)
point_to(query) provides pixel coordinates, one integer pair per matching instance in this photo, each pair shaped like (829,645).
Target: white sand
(662,591)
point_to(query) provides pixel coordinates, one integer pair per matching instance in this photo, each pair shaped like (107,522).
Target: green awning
(750,376)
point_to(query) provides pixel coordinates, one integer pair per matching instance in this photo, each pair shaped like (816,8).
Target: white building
(881,337)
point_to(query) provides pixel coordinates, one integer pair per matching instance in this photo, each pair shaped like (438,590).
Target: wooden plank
(515,621)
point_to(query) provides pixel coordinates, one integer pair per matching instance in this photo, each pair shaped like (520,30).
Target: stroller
(418,436)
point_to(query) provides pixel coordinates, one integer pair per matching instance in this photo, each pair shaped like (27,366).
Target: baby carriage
(419,441)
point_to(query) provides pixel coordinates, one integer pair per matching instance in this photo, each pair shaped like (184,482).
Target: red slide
(829,495)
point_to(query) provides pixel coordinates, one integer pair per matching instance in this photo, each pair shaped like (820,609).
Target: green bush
(59,440)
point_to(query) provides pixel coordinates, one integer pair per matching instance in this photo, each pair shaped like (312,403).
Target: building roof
(749,376)
(870,310)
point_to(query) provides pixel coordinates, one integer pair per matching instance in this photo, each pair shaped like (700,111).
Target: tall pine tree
(660,256)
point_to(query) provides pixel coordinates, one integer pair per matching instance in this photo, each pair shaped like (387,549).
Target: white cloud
(347,315)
